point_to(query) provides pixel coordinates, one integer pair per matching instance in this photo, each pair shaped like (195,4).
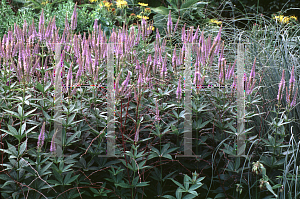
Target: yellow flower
(152,27)
(143,4)
(92,1)
(215,21)
(44,3)
(294,17)
(107,4)
(140,17)
(121,3)
(282,19)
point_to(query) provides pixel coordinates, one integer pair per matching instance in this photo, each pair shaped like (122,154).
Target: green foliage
(149,147)
(8,18)
(190,12)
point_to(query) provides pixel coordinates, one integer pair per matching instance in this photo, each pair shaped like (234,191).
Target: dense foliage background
(150,57)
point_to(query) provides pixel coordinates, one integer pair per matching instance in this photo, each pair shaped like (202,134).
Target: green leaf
(58,176)
(189,3)
(270,189)
(23,147)
(189,196)
(123,185)
(29,112)
(168,196)
(70,119)
(186,181)
(70,139)
(142,184)
(46,115)
(161,10)
(13,130)
(67,178)
(72,179)
(195,186)
(23,128)
(177,183)
(14,113)
(178,193)
(40,87)
(20,110)
(45,168)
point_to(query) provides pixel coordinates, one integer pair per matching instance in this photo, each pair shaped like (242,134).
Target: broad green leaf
(178,193)
(40,87)
(142,184)
(23,147)
(270,189)
(189,3)
(14,113)
(177,183)
(195,186)
(161,10)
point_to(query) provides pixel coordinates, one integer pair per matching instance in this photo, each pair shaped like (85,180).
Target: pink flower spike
(294,99)
(169,24)
(52,146)
(252,74)
(292,79)
(281,87)
(176,26)
(41,138)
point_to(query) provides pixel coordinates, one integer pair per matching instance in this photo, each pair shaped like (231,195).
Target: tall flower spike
(294,99)
(41,138)
(140,80)
(291,89)
(74,18)
(52,146)
(176,25)
(179,91)
(169,24)
(125,83)
(41,26)
(183,37)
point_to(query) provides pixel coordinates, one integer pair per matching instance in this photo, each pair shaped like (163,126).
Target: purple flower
(174,56)
(138,67)
(291,88)
(41,26)
(140,80)
(294,99)
(252,74)
(183,37)
(157,35)
(149,60)
(232,70)
(179,91)
(221,76)
(195,78)
(125,83)
(74,18)
(169,24)
(52,146)
(116,86)
(41,138)
(176,25)
(292,79)
(66,23)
